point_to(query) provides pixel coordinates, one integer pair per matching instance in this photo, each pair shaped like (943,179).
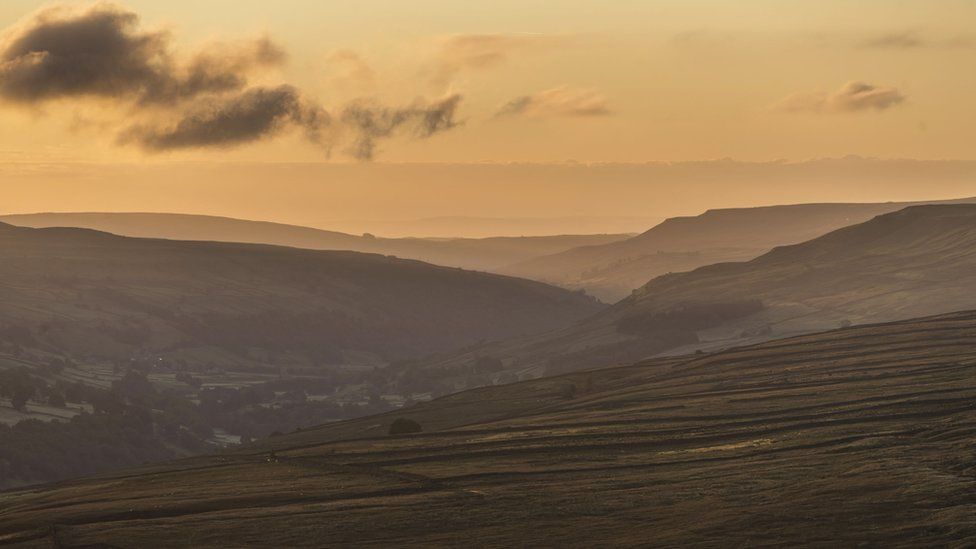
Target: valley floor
(863,435)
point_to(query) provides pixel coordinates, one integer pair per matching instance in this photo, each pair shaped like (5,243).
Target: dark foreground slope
(858,436)
(94,296)
(611,271)
(468,253)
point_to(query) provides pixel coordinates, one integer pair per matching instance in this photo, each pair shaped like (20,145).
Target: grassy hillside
(860,436)
(88,294)
(914,262)
(115,351)
(469,253)
(611,271)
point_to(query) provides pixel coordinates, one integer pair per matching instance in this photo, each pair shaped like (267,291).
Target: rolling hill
(855,437)
(611,271)
(116,351)
(913,262)
(97,296)
(469,253)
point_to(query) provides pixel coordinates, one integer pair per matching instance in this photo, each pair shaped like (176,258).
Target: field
(861,435)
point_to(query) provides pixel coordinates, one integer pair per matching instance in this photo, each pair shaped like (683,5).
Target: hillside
(914,262)
(116,351)
(469,253)
(95,295)
(611,271)
(856,437)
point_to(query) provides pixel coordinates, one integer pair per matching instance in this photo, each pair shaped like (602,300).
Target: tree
(404,426)
(56,400)
(135,386)
(20,397)
(107,402)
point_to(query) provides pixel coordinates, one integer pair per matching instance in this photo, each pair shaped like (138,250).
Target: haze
(620,82)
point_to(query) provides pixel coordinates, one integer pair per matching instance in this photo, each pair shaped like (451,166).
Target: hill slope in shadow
(856,436)
(469,253)
(98,296)
(611,271)
(914,262)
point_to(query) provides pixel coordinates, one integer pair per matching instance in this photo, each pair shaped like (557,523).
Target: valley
(482,254)
(612,271)
(196,345)
(861,435)
(909,263)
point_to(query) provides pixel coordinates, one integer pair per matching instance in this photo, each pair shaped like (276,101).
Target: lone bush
(404,426)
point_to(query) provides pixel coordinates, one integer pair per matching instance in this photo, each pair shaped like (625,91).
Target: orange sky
(384,198)
(534,81)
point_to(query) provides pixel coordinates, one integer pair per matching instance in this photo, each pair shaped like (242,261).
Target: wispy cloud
(562,101)
(915,39)
(350,69)
(851,97)
(472,52)
(372,122)
(903,40)
(704,39)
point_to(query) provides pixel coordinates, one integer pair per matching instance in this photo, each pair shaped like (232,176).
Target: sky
(175,84)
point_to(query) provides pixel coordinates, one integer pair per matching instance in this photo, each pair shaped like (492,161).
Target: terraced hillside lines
(863,435)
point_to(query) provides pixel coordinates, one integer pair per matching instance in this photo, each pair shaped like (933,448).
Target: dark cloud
(102,52)
(264,112)
(249,116)
(852,97)
(180,102)
(222,67)
(562,101)
(369,123)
